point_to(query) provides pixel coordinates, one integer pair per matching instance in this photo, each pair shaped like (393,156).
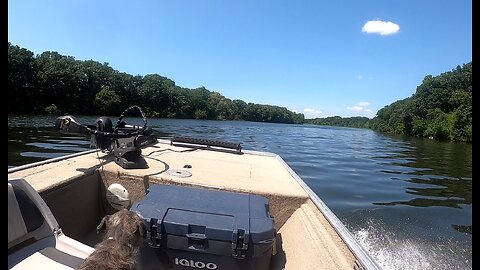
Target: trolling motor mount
(125,141)
(103,124)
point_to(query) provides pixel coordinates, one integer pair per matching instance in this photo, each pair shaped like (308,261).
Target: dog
(124,233)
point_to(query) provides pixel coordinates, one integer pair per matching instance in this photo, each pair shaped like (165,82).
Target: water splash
(393,253)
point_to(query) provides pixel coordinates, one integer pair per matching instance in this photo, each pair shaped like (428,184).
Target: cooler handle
(196,236)
(197,241)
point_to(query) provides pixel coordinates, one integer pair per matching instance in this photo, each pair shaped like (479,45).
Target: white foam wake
(392,253)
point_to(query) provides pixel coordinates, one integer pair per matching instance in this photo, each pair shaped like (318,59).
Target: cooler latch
(239,244)
(154,234)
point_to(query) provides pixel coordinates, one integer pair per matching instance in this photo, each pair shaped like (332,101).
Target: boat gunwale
(50,160)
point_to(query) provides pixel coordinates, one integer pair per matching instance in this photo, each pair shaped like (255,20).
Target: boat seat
(34,236)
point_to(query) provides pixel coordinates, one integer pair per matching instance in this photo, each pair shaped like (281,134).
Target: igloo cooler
(192,228)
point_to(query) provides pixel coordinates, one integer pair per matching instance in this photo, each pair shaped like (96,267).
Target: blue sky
(320,58)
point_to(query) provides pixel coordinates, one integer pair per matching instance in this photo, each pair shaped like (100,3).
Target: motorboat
(55,205)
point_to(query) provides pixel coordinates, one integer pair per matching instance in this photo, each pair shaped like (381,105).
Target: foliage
(20,79)
(355,122)
(107,101)
(440,109)
(52,109)
(90,87)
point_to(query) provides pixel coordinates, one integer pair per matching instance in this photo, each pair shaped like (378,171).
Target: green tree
(107,102)
(21,92)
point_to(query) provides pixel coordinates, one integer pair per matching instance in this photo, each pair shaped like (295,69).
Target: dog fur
(120,245)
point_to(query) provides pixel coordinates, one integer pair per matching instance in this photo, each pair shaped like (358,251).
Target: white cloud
(361,108)
(355,108)
(313,111)
(363,104)
(359,77)
(380,27)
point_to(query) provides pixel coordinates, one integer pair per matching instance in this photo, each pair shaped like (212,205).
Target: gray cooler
(206,229)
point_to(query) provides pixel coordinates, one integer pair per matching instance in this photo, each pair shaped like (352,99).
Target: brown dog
(120,245)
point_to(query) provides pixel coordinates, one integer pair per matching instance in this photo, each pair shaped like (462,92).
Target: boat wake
(392,253)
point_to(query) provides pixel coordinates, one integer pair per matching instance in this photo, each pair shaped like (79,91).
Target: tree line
(57,84)
(354,122)
(441,108)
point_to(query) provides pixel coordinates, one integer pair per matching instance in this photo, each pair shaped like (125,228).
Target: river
(408,201)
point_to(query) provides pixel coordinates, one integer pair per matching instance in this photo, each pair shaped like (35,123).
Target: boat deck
(306,239)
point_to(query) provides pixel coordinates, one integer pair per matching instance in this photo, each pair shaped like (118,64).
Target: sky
(320,58)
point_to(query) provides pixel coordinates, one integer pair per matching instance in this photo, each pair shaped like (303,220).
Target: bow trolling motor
(125,141)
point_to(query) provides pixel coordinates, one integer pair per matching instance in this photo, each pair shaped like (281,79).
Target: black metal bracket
(206,144)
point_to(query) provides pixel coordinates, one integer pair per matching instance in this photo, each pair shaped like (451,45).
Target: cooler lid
(196,213)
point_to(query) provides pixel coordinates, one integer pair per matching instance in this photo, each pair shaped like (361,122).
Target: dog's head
(124,225)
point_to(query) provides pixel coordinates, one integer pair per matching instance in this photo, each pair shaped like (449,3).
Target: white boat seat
(48,258)
(35,239)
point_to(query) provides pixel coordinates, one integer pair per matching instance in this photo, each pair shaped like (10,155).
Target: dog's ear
(141,229)
(102,225)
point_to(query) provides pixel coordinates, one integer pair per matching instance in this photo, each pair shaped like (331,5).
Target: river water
(408,201)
